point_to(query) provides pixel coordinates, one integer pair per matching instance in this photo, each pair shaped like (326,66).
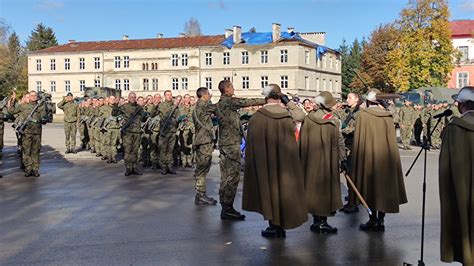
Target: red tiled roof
(462,28)
(156,43)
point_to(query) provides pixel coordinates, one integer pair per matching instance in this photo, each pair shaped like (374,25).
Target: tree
(347,75)
(423,56)
(374,59)
(351,62)
(13,74)
(41,37)
(192,28)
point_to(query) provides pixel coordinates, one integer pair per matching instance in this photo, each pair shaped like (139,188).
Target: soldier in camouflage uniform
(149,108)
(31,139)
(408,116)
(99,132)
(426,120)
(186,132)
(71,112)
(203,145)
(132,114)
(436,135)
(169,114)
(154,127)
(111,131)
(92,114)
(83,120)
(230,137)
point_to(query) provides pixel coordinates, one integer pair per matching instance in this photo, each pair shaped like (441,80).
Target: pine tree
(41,37)
(347,75)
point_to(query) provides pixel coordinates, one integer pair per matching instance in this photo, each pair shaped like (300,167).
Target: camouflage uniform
(408,116)
(82,127)
(104,112)
(92,113)
(203,145)
(146,138)
(70,122)
(154,127)
(426,120)
(111,135)
(131,135)
(167,138)
(436,135)
(31,140)
(185,135)
(230,137)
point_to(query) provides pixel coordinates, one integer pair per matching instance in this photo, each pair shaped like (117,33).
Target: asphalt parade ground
(82,211)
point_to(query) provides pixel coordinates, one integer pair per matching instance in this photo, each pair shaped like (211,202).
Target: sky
(88,20)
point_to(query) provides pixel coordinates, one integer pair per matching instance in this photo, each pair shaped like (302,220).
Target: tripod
(424,147)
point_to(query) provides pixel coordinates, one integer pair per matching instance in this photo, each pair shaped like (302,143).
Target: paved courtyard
(82,211)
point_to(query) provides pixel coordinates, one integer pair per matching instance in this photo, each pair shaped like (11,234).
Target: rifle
(20,129)
(130,120)
(145,126)
(169,117)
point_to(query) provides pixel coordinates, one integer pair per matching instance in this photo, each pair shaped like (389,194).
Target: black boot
(371,225)
(109,161)
(164,171)
(203,199)
(104,158)
(229,213)
(135,171)
(171,170)
(28,173)
(128,171)
(380,222)
(316,223)
(35,173)
(273,231)
(67,151)
(73,150)
(323,227)
(155,166)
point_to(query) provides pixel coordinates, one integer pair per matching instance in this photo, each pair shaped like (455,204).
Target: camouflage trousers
(230,172)
(145,147)
(405,133)
(154,148)
(70,130)
(90,131)
(83,136)
(31,146)
(436,135)
(111,137)
(203,165)
(131,145)
(97,140)
(167,143)
(186,148)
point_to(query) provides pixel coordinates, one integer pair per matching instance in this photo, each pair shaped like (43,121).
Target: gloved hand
(344,166)
(284,99)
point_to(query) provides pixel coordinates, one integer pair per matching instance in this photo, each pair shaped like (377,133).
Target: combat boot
(203,199)
(229,213)
(67,151)
(73,150)
(171,170)
(164,171)
(273,231)
(380,222)
(321,225)
(35,173)
(135,171)
(155,166)
(28,173)
(128,171)
(109,161)
(372,224)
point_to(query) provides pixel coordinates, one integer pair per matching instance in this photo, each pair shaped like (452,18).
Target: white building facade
(184,64)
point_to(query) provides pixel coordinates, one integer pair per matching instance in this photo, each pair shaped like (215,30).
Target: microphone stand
(424,147)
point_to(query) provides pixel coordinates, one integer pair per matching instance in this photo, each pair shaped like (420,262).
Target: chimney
(159,35)
(71,41)
(125,37)
(290,29)
(181,35)
(227,33)
(276,32)
(237,34)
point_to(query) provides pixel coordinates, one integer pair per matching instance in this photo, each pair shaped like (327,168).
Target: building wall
(463,68)
(305,74)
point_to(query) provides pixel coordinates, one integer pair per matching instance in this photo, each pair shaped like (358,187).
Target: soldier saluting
(230,136)
(133,115)
(71,114)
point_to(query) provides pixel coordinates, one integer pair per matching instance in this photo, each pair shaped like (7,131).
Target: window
(53,86)
(336,86)
(38,64)
(226,58)
(174,59)
(38,86)
(145,84)
(306,57)
(330,85)
(154,84)
(336,64)
(284,82)
(283,56)
(245,58)
(175,84)
(126,62)
(330,62)
(325,61)
(184,59)
(306,83)
(209,83)
(117,84)
(117,61)
(324,84)
(227,78)
(264,81)
(464,53)
(126,85)
(184,83)
(152,66)
(82,63)
(53,64)
(82,85)
(96,62)
(97,83)
(463,79)
(264,57)
(317,84)
(245,83)
(67,64)
(146,66)
(208,59)
(67,85)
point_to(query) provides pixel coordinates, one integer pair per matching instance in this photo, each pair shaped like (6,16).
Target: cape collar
(274,111)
